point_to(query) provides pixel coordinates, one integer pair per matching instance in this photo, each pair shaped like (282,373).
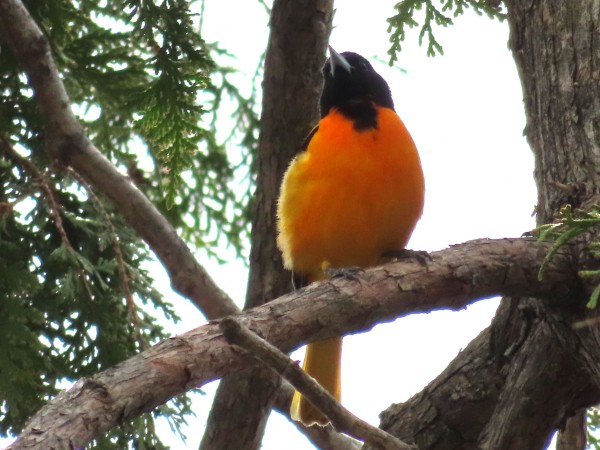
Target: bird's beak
(337,60)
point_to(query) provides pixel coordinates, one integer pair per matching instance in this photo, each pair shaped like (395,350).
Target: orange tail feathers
(323,362)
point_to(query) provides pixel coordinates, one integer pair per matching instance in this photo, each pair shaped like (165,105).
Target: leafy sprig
(572,223)
(439,14)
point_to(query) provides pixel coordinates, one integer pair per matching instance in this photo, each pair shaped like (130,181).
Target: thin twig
(342,419)
(121,266)
(53,206)
(39,177)
(322,437)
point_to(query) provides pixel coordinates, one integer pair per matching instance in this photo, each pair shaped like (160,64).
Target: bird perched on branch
(354,193)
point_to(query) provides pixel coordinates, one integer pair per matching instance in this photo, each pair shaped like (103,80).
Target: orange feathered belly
(351,196)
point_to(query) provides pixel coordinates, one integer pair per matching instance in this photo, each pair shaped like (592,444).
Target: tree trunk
(573,436)
(291,89)
(556,50)
(538,362)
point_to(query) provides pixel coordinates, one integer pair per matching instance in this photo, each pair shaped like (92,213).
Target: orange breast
(351,196)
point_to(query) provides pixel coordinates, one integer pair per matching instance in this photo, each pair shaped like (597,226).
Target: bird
(353,193)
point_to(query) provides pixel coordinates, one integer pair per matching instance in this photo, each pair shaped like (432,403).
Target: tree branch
(342,419)
(326,437)
(451,279)
(506,389)
(67,143)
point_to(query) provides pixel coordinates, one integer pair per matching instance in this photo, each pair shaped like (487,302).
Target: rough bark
(538,362)
(497,397)
(573,436)
(451,279)
(291,88)
(555,45)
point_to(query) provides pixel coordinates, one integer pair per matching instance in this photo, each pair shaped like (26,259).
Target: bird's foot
(420,255)
(348,273)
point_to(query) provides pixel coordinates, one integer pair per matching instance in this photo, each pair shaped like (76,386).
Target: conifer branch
(67,143)
(53,206)
(121,265)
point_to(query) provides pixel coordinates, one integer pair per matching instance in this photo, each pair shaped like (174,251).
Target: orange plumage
(355,193)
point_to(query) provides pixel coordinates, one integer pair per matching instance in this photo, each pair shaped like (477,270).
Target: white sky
(464,111)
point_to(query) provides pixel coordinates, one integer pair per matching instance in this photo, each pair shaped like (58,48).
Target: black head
(350,79)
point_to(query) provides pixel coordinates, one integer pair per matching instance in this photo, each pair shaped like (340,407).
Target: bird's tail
(323,362)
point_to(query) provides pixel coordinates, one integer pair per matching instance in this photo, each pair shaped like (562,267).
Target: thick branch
(451,279)
(507,389)
(67,143)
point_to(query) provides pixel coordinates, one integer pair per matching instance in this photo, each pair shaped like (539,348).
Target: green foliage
(66,310)
(178,66)
(571,224)
(75,296)
(141,77)
(243,125)
(439,14)
(593,428)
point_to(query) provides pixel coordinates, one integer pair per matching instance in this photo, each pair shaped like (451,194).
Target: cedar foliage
(433,13)
(75,294)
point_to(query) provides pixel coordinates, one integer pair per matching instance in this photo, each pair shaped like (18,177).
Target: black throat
(363,113)
(354,89)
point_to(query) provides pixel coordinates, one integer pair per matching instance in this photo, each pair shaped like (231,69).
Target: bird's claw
(421,256)
(348,273)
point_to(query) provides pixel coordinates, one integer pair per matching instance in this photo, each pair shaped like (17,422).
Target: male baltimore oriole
(354,193)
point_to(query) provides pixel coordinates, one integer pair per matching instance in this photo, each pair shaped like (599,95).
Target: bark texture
(451,279)
(538,362)
(291,89)
(555,46)
(573,435)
